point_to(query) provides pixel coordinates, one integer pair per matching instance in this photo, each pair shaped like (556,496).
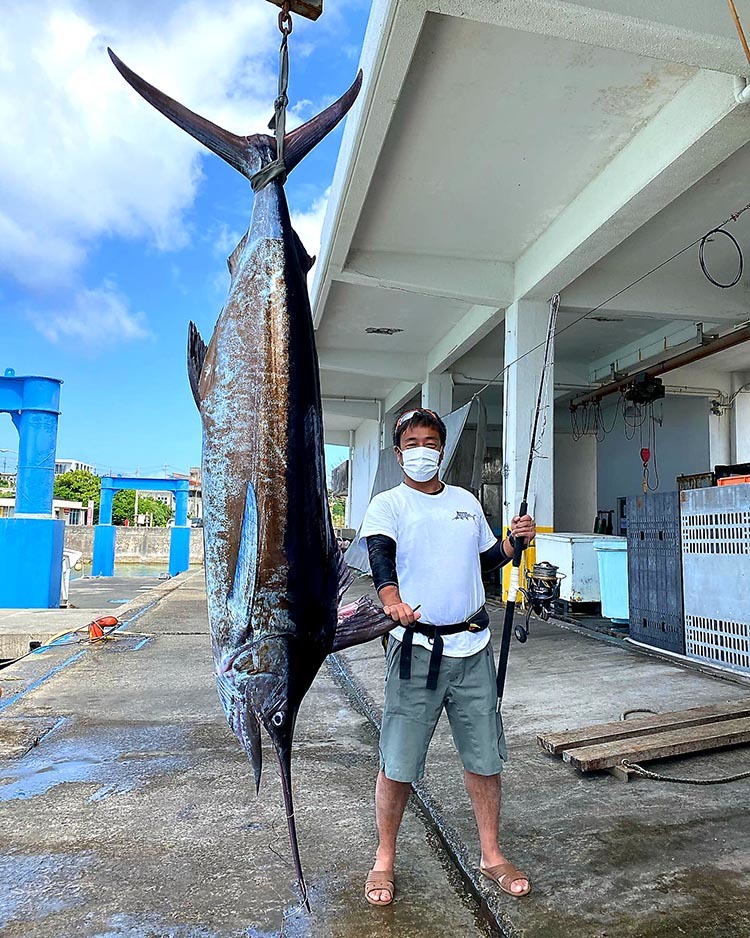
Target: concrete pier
(135,813)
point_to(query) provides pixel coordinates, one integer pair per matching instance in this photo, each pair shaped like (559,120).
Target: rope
(277,169)
(656,776)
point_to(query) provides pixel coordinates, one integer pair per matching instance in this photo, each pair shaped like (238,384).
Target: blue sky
(115,225)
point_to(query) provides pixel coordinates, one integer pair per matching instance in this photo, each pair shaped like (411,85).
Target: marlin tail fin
(240,151)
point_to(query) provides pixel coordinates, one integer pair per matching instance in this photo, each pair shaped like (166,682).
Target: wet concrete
(89,598)
(606,858)
(136,815)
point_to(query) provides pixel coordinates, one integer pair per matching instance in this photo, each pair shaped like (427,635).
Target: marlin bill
(274,571)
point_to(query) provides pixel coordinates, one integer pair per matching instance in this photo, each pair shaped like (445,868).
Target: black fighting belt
(476,623)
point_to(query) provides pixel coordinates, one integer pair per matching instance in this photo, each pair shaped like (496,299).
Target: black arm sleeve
(382,552)
(493,557)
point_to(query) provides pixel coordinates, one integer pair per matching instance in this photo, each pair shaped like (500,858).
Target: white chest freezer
(576,558)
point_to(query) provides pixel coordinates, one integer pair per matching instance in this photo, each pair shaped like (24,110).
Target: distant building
(71,465)
(73,513)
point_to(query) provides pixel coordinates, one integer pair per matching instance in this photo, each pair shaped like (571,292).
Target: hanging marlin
(274,572)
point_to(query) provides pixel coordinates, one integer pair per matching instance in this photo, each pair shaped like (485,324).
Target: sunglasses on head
(413,413)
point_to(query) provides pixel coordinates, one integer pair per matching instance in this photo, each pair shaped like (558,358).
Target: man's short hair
(419,417)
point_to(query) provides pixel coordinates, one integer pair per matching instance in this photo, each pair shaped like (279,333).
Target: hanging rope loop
(277,168)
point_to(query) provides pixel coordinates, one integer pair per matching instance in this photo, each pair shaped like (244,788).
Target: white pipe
(741,91)
(350,481)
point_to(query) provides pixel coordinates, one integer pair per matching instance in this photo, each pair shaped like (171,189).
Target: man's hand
(523,527)
(402,613)
(399,611)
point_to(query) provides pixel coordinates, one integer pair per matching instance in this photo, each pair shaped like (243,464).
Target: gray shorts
(466,688)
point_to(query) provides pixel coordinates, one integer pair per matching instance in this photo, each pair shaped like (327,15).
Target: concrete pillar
(525,329)
(437,393)
(740,418)
(719,438)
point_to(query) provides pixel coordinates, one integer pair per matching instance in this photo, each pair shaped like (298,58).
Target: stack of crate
(655,571)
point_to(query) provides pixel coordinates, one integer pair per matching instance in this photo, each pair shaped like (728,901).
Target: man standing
(428,545)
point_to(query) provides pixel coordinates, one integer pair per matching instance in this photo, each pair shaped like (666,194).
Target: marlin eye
(278,718)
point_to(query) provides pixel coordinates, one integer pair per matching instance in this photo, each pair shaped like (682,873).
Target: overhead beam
(361,410)
(483,282)
(471,329)
(400,395)
(693,133)
(655,343)
(336,437)
(638,33)
(686,295)
(391,38)
(399,366)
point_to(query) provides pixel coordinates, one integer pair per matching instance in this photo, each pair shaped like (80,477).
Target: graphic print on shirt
(465,516)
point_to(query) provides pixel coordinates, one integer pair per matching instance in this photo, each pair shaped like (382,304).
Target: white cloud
(309,224)
(97,317)
(83,155)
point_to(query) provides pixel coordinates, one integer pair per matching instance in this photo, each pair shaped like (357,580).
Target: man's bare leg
(390,802)
(484,791)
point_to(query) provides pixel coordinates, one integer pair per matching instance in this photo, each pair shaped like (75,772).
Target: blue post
(32,542)
(103,558)
(103,563)
(179,541)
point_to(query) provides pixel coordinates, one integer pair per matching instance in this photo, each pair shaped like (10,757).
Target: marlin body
(274,572)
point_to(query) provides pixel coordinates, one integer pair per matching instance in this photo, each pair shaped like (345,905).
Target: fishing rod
(519,545)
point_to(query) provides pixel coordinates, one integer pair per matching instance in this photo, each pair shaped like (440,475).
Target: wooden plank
(621,773)
(623,729)
(660,745)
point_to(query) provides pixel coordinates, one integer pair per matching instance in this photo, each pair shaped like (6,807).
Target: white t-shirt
(438,542)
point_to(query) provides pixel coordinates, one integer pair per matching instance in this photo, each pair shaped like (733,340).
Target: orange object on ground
(734,480)
(96,628)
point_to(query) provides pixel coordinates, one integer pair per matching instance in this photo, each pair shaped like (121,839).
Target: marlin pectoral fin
(240,601)
(228,146)
(196,355)
(360,622)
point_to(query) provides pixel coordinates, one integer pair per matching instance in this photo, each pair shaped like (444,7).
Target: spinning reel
(541,590)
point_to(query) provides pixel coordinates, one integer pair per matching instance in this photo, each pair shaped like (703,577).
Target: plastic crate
(655,571)
(735,480)
(716,574)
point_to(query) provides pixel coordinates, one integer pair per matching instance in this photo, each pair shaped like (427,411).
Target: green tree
(79,486)
(123,507)
(338,510)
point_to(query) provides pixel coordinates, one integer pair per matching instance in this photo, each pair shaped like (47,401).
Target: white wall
(682,448)
(364,466)
(575,481)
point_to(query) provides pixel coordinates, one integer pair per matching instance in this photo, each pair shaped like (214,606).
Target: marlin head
(272,700)
(246,154)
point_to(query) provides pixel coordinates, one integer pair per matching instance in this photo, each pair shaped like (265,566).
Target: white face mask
(421,463)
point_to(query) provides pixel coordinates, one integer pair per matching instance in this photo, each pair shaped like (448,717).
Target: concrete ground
(636,860)
(136,815)
(101,596)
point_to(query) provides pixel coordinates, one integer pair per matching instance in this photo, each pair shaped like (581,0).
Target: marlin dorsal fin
(196,355)
(240,601)
(234,257)
(305,260)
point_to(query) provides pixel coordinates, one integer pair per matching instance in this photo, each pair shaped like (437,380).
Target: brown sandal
(379,880)
(504,875)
